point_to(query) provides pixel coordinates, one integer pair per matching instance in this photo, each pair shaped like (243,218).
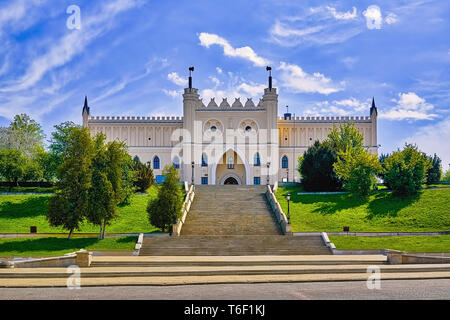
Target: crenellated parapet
(237,105)
(132,119)
(356,119)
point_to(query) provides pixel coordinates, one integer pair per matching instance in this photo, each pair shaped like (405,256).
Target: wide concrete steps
(230,210)
(227,261)
(226,245)
(105,272)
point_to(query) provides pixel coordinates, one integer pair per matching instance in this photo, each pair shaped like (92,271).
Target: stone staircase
(230,210)
(233,245)
(232,221)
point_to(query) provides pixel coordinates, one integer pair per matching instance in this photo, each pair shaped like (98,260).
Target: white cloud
(374,19)
(214,80)
(172,93)
(175,78)
(391,18)
(343,15)
(345,107)
(247,53)
(315,27)
(432,139)
(296,80)
(219,70)
(70,45)
(252,90)
(410,107)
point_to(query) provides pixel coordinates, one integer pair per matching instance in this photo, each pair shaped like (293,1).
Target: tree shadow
(326,203)
(127,239)
(47,244)
(29,208)
(386,204)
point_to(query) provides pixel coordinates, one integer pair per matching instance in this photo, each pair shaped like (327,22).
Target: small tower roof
(85,107)
(373,108)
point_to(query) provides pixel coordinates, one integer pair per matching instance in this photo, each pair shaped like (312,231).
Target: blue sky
(130,57)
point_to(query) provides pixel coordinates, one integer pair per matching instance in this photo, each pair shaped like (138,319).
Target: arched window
(230,162)
(176,163)
(284,162)
(204,160)
(156,163)
(257,160)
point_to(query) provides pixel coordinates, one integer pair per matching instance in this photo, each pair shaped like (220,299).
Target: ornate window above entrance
(248,127)
(212,127)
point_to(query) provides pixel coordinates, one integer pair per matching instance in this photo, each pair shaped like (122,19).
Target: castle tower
(270,103)
(191,101)
(86,112)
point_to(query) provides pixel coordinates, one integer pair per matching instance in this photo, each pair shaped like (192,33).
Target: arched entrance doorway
(230,180)
(230,169)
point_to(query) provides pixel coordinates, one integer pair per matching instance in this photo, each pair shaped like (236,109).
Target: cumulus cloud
(410,106)
(343,15)
(296,80)
(219,70)
(374,19)
(175,78)
(247,53)
(172,93)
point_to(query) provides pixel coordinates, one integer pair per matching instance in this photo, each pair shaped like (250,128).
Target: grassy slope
(403,243)
(54,246)
(429,211)
(19,212)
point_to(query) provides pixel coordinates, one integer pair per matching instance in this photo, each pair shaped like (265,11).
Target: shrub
(406,170)
(358,169)
(316,169)
(164,210)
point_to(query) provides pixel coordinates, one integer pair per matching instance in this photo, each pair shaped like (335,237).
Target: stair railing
(285,226)
(176,228)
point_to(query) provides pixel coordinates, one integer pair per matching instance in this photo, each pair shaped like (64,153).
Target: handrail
(285,226)
(176,228)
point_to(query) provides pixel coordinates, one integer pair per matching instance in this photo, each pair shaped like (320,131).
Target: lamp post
(288,198)
(268,175)
(192,180)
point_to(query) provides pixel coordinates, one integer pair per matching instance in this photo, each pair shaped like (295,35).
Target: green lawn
(403,243)
(19,212)
(428,211)
(55,246)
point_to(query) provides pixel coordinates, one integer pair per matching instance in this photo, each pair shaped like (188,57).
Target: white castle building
(218,143)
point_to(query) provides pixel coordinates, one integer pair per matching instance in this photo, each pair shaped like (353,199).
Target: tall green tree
(406,170)
(316,168)
(345,137)
(434,172)
(60,140)
(13,165)
(164,210)
(23,134)
(70,204)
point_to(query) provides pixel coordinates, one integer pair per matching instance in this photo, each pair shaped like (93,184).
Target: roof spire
(86,107)
(373,108)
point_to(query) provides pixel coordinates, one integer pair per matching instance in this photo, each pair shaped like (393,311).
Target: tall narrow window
(176,163)
(257,160)
(284,162)
(204,180)
(230,162)
(204,160)
(156,163)
(257,180)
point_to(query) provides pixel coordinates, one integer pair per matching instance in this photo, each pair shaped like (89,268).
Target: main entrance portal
(230,180)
